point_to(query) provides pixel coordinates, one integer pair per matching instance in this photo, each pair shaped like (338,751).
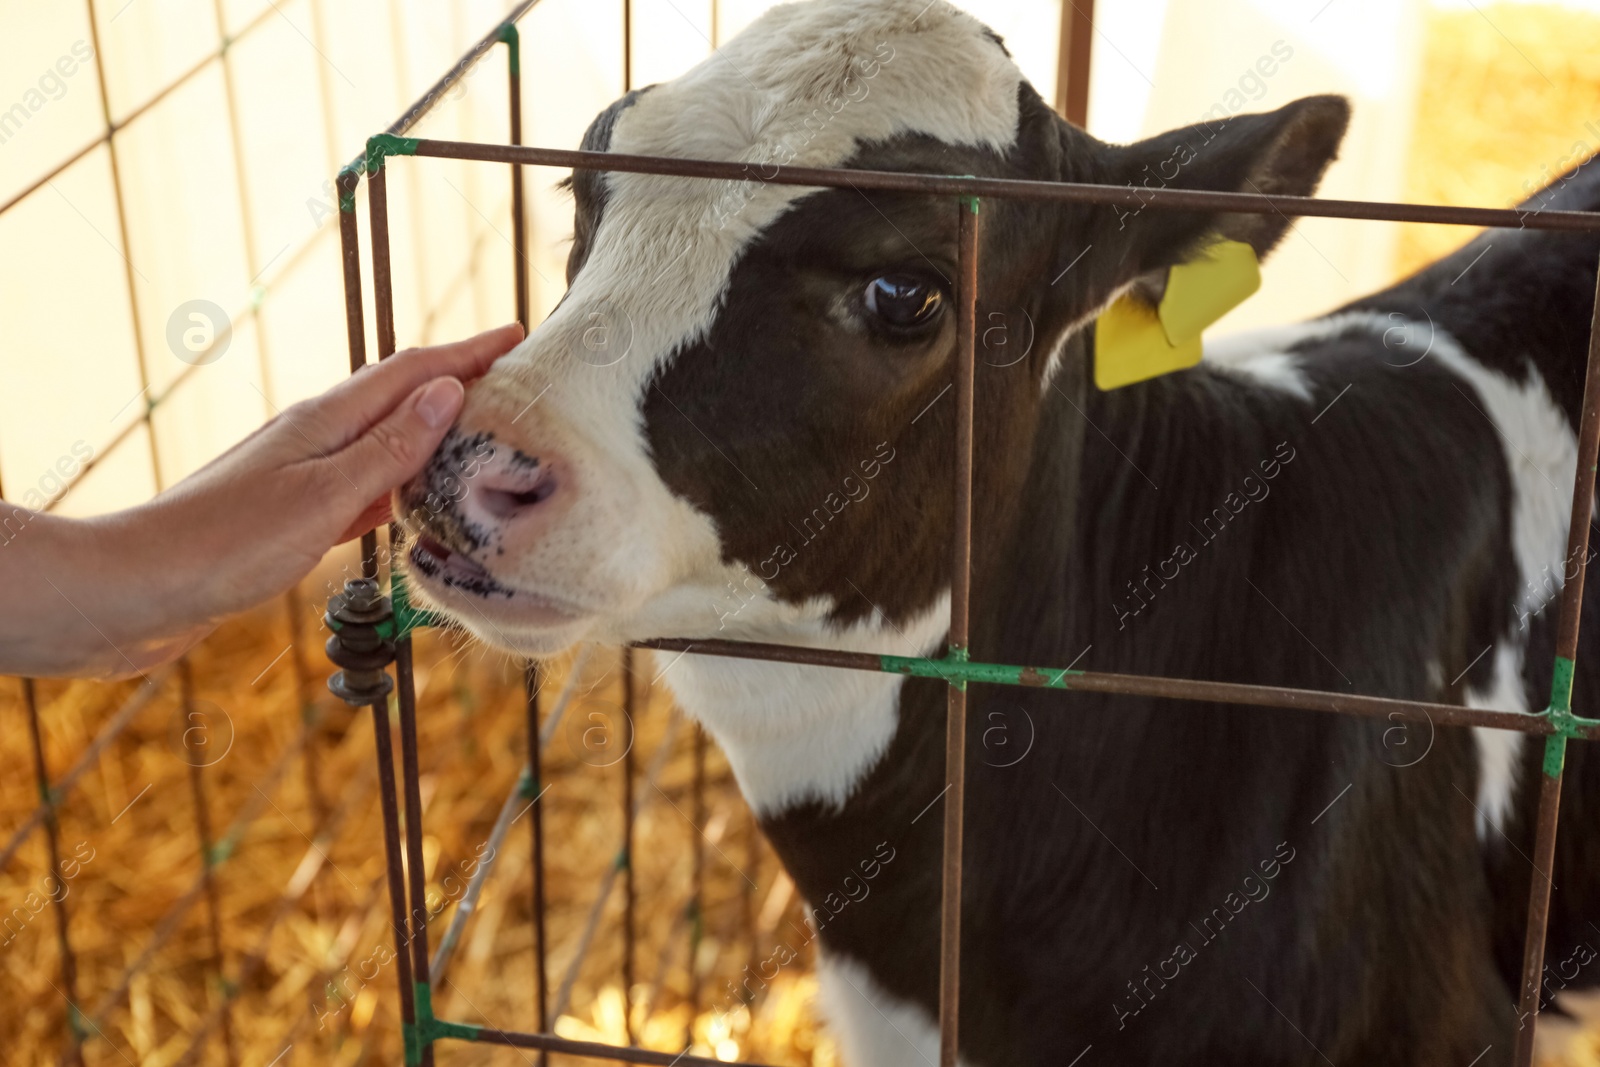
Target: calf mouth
(463,587)
(455,569)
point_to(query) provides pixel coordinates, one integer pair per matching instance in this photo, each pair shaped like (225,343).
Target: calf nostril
(504,503)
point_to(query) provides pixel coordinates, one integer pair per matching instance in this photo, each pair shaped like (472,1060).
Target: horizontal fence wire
(1003,188)
(955,670)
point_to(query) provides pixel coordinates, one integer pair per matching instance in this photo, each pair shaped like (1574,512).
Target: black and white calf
(736,425)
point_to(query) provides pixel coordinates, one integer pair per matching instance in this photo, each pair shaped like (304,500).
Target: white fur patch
(1499,751)
(1541,453)
(1264,356)
(874,1028)
(794,733)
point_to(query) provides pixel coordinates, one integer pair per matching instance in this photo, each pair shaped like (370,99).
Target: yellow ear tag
(1134,342)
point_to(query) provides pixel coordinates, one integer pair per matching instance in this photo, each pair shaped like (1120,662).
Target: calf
(738,424)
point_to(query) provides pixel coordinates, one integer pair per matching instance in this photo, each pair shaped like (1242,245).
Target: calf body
(758,446)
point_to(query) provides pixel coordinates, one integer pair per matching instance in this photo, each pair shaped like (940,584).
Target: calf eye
(903,301)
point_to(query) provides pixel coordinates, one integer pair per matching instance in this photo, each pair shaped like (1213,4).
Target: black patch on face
(589,186)
(821,443)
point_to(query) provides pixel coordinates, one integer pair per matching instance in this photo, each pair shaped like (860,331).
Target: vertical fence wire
(531,674)
(625,856)
(196,771)
(960,596)
(1075,46)
(697,893)
(411,777)
(195,739)
(383,299)
(52,826)
(541,974)
(134,317)
(1544,849)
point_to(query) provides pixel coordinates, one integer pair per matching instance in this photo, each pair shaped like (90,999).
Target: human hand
(150,581)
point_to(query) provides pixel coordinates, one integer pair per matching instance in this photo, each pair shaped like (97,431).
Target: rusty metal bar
(391,851)
(697,898)
(1010,188)
(519,213)
(383,298)
(354,321)
(630,898)
(1544,849)
(530,675)
(955,734)
(1151,686)
(541,973)
(208,852)
(350,265)
(425,104)
(1072,60)
(69,960)
(416,863)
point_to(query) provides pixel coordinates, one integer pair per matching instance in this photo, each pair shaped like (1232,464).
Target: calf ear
(1282,152)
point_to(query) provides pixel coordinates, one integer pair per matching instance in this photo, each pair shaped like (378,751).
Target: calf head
(738,421)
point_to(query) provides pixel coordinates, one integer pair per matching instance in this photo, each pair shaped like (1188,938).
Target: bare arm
(119,593)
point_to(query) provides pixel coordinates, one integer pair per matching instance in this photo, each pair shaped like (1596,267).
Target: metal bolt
(357,646)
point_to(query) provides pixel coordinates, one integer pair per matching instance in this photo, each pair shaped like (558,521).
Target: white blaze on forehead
(806,84)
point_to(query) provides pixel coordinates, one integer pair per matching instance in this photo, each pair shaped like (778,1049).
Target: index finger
(352,407)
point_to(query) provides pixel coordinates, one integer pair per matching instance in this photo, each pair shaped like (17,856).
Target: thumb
(397,447)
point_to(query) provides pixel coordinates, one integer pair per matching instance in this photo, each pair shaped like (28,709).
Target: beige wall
(225,197)
(228,201)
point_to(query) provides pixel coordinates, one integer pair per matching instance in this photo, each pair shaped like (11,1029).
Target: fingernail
(439,402)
